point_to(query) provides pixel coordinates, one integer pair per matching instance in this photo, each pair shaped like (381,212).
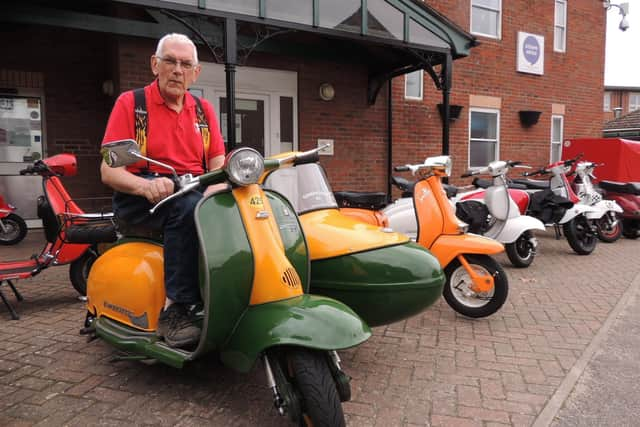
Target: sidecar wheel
(460,296)
(606,233)
(521,252)
(79,270)
(311,377)
(580,236)
(16,230)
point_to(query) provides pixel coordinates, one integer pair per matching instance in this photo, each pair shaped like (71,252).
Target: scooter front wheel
(459,293)
(606,232)
(319,398)
(16,230)
(521,252)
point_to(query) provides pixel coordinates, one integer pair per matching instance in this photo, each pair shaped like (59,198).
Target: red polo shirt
(172,138)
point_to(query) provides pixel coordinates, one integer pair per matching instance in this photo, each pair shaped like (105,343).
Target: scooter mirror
(120,153)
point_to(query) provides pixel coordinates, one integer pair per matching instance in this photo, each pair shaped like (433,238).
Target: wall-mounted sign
(530,53)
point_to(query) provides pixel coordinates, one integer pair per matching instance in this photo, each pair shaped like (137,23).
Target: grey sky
(622,64)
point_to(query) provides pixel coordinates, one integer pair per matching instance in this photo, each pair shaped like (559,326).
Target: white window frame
(559,142)
(498,34)
(560,45)
(497,140)
(421,82)
(607,101)
(634,106)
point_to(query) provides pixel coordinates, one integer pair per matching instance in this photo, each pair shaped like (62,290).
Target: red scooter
(71,234)
(627,195)
(12,227)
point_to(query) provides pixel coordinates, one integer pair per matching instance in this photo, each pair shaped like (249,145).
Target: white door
(266,106)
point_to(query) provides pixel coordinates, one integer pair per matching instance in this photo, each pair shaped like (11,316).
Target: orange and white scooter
(476,285)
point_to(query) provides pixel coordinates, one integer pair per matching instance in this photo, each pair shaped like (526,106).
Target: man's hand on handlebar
(157,189)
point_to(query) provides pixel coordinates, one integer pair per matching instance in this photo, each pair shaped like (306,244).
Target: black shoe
(177,328)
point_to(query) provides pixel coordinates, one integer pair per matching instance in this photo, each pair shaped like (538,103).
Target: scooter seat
(481,182)
(533,184)
(621,187)
(450,190)
(361,199)
(403,184)
(127,229)
(486,183)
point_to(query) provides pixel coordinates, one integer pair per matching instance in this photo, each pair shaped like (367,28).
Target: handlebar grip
(466,175)
(401,168)
(514,163)
(26,171)
(312,157)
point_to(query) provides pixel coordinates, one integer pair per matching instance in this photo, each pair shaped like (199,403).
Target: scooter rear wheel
(16,230)
(311,376)
(521,252)
(579,235)
(630,229)
(79,270)
(458,289)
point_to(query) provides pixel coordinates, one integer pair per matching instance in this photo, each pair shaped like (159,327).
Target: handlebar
(541,171)
(37,168)
(401,168)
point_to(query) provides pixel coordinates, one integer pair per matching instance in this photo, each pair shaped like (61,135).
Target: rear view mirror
(121,153)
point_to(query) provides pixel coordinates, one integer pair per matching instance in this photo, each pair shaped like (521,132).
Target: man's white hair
(177,37)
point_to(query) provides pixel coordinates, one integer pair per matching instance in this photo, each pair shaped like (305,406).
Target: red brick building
(619,101)
(535,78)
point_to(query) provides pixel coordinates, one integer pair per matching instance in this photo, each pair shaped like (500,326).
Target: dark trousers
(176,221)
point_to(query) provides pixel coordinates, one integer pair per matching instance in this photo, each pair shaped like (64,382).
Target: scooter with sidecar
(380,274)
(254,273)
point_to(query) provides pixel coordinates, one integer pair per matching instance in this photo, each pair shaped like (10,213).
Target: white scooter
(609,228)
(493,213)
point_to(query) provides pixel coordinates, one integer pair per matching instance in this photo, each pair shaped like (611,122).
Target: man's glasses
(186,65)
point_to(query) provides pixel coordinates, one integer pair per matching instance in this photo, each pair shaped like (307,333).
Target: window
(413,85)
(557,124)
(560,27)
(607,101)
(634,101)
(486,17)
(20,128)
(484,136)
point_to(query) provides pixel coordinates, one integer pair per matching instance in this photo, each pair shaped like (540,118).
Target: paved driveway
(435,369)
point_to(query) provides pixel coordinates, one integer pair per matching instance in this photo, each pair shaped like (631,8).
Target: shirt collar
(156,98)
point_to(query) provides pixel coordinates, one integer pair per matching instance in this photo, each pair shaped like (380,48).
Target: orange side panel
(275,278)
(126,283)
(447,247)
(366,215)
(330,234)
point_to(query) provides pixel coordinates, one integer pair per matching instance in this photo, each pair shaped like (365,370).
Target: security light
(624,11)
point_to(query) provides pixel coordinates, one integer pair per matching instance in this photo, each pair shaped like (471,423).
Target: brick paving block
(483,414)
(448,421)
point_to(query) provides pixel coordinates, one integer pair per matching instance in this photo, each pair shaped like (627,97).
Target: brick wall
(574,78)
(71,66)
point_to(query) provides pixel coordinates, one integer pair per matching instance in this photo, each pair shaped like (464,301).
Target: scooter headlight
(244,166)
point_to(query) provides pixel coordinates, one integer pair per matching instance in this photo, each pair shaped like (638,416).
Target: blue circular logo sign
(531,49)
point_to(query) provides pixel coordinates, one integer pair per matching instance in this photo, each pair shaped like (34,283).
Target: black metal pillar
(230,62)
(446,90)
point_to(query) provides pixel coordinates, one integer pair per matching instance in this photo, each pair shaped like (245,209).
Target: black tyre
(79,270)
(16,230)
(459,293)
(522,252)
(608,233)
(580,236)
(630,229)
(311,377)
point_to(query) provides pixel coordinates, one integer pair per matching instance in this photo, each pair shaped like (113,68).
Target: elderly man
(173,127)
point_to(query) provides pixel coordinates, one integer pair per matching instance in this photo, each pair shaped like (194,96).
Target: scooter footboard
(308,320)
